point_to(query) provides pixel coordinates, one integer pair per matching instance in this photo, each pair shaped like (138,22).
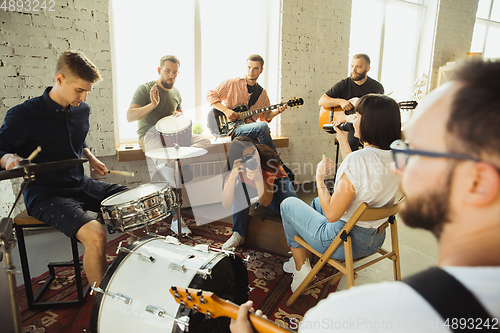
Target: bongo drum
(175,129)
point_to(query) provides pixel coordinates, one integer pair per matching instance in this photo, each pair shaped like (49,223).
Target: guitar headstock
(295,102)
(205,302)
(407,105)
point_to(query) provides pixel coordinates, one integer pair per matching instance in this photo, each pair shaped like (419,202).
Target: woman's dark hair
(268,158)
(380,120)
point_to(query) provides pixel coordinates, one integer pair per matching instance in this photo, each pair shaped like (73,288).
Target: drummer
(153,101)
(58,122)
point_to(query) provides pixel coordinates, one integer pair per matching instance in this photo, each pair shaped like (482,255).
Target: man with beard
(245,90)
(151,102)
(355,86)
(450,175)
(157,99)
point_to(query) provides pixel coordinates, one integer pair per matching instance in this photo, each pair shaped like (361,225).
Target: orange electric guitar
(329,115)
(212,306)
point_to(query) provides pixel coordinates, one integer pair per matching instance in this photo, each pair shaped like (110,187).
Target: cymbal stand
(8,242)
(178,204)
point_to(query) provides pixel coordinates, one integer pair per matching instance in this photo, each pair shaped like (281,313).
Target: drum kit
(127,300)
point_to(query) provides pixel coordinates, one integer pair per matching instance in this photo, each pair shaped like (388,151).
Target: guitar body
(220,126)
(329,115)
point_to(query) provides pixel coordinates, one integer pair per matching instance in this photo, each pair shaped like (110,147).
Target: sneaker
(233,242)
(299,276)
(289,266)
(184,227)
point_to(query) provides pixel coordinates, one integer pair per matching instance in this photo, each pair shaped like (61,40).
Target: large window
(389,32)
(212,40)
(487,29)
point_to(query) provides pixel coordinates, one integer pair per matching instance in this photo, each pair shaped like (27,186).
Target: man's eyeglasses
(401,153)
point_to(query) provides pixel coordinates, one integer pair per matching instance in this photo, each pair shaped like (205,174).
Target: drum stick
(34,153)
(122,173)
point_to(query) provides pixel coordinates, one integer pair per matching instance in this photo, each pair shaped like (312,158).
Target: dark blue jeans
(282,189)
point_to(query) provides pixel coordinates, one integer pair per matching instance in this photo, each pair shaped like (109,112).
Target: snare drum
(134,208)
(137,286)
(175,129)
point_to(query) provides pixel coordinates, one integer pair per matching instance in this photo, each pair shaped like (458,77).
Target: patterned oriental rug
(269,285)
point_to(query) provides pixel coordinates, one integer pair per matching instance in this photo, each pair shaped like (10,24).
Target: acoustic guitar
(328,116)
(220,126)
(212,306)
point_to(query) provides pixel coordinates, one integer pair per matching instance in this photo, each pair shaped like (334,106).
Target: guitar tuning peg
(208,315)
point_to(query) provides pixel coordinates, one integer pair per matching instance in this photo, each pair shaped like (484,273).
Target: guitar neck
(250,113)
(260,324)
(208,303)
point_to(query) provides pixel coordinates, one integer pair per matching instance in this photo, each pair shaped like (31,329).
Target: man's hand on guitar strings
(242,324)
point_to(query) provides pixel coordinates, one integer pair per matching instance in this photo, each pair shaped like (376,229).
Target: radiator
(206,186)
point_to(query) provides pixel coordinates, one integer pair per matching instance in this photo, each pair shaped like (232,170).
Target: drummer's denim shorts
(68,213)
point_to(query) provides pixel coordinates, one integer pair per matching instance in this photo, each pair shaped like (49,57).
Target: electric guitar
(220,126)
(212,306)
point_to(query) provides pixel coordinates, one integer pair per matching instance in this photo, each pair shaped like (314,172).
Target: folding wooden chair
(347,268)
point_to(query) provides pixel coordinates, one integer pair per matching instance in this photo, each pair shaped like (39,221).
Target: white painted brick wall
(30,44)
(315,42)
(315,48)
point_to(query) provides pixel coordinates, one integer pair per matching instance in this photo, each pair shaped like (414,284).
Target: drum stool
(22,221)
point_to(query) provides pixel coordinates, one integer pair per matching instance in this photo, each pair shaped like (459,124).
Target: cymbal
(35,169)
(173,153)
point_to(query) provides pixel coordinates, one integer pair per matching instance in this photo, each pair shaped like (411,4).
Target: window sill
(136,154)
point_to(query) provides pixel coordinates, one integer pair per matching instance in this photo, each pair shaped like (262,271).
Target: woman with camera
(255,171)
(363,176)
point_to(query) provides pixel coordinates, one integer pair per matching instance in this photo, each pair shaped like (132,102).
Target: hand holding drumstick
(121,173)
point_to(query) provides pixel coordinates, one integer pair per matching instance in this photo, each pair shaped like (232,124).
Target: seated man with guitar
(242,94)
(340,96)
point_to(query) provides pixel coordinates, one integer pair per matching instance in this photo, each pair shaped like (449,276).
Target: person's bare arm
(329,102)
(230,114)
(96,165)
(136,112)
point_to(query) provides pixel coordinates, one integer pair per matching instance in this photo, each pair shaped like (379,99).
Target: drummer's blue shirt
(60,133)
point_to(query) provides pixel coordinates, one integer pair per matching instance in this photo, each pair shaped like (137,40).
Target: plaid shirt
(234,92)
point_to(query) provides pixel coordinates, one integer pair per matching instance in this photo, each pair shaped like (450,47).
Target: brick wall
(315,55)
(30,43)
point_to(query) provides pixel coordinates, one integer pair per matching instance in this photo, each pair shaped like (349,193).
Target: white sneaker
(233,242)
(289,266)
(184,227)
(299,276)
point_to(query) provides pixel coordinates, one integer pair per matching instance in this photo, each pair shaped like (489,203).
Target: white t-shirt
(368,169)
(396,307)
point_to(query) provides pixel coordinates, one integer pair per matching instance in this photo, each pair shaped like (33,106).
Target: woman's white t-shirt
(368,170)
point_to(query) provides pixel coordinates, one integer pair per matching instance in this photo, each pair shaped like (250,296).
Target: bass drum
(137,283)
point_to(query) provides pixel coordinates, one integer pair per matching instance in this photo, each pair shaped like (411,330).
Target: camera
(249,162)
(346,127)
